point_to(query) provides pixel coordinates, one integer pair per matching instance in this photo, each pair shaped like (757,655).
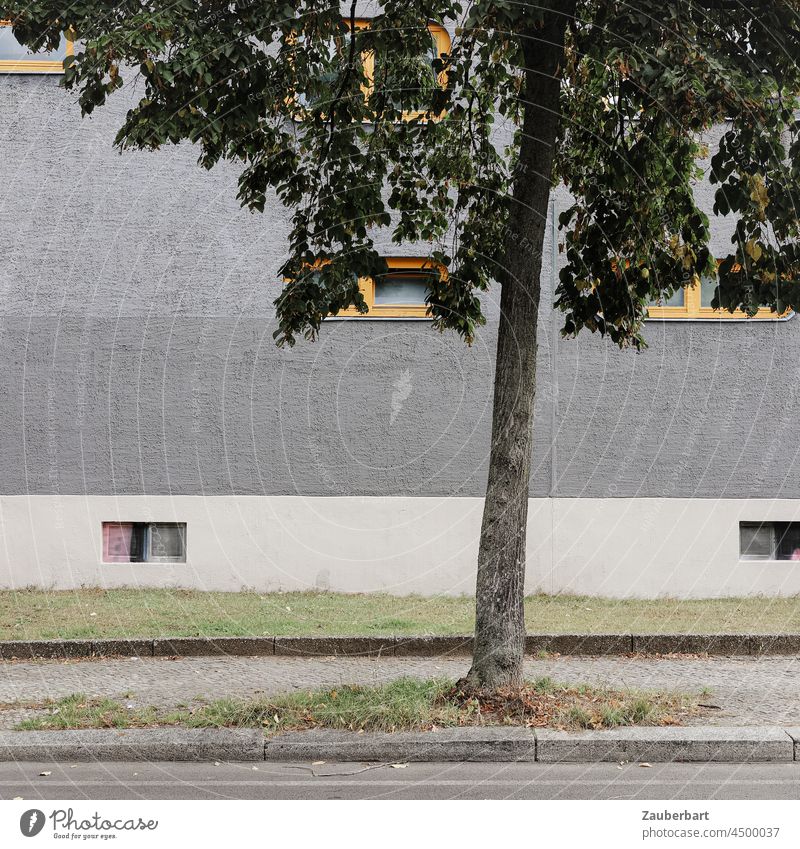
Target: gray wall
(136,356)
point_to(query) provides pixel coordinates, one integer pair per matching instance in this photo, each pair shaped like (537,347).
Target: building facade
(151,433)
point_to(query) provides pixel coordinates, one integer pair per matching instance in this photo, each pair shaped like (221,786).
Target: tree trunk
(500,622)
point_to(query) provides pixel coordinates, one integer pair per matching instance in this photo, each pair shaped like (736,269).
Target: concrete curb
(135,744)
(411,646)
(493,744)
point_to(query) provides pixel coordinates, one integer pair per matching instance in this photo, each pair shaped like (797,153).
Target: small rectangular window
(695,302)
(15,58)
(144,542)
(401,292)
(769,540)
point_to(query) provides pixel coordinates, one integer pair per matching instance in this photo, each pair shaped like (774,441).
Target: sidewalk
(749,691)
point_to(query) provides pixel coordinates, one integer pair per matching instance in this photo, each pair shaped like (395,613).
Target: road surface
(414,781)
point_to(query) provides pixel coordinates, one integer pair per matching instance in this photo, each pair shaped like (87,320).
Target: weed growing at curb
(406,704)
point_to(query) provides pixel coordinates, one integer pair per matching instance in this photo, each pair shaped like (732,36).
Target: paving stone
(753,690)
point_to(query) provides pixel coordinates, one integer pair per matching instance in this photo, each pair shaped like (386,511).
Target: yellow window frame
(396,264)
(34,66)
(441,39)
(693,309)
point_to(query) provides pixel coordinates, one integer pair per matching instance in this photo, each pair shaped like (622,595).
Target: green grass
(88,613)
(406,704)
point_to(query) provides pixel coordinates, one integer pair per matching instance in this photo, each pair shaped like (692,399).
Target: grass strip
(406,704)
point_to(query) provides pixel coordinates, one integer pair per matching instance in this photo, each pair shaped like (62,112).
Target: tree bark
(500,621)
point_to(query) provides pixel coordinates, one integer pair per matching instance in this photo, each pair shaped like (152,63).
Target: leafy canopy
(359,126)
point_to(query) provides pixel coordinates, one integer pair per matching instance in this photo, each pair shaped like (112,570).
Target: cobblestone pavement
(749,691)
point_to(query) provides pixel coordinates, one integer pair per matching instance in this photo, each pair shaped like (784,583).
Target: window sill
(750,562)
(142,563)
(369,317)
(707,319)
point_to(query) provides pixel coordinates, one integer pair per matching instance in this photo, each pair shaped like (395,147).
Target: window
(400,293)
(440,43)
(17,59)
(144,542)
(695,302)
(769,540)
(337,52)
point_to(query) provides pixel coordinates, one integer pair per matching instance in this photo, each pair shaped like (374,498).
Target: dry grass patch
(406,704)
(95,614)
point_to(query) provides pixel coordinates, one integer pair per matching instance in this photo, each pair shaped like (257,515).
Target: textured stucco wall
(136,356)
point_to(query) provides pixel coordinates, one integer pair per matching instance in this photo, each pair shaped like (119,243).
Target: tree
(357,127)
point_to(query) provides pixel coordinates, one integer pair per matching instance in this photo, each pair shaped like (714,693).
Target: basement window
(15,58)
(769,540)
(144,542)
(400,293)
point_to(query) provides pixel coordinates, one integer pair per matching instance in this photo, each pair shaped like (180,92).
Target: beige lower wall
(612,547)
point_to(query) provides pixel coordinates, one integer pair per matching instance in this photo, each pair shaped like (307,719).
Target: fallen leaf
(646,765)
(398,766)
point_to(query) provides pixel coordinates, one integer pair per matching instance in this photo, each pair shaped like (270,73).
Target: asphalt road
(414,781)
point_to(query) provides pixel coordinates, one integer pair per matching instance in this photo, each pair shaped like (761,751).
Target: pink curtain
(117,538)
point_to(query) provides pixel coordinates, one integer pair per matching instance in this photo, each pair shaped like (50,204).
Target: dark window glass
(787,535)
(769,540)
(756,541)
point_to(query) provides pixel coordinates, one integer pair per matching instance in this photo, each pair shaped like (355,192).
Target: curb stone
(662,745)
(135,744)
(211,646)
(334,646)
(406,646)
(448,744)
(716,744)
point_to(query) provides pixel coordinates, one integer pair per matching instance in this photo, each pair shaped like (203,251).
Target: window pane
(756,541)
(123,542)
(332,55)
(167,542)
(403,289)
(788,536)
(708,288)
(12,50)
(677,299)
